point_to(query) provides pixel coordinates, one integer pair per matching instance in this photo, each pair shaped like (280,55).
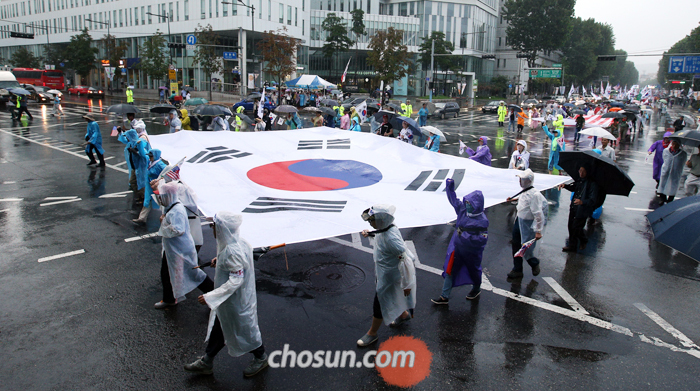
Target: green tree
(82,53)
(388,55)
(279,49)
(337,40)
(537,25)
(499,84)
(689,44)
(117,51)
(206,56)
(154,59)
(606,45)
(358,28)
(579,55)
(23,58)
(57,53)
(442,47)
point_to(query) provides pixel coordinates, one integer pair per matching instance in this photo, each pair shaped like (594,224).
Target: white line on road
(61,202)
(565,295)
(632,160)
(9,182)
(682,338)
(112,157)
(115,195)
(633,192)
(135,238)
(11,199)
(59,198)
(120,164)
(4,210)
(493,160)
(51,258)
(640,209)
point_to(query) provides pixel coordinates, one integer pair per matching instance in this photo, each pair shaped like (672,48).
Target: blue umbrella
(676,225)
(568,104)
(397,121)
(19,91)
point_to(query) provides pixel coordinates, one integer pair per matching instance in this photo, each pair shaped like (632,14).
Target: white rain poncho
(178,244)
(189,199)
(393,265)
(234,300)
(671,171)
(531,211)
(520,160)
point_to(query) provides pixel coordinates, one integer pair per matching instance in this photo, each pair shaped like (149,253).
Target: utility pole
(432,73)
(252,30)
(170,51)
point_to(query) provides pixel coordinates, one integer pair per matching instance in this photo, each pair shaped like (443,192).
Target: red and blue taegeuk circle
(315,175)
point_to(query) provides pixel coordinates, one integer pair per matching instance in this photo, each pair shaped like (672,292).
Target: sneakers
(440,300)
(399,321)
(202,368)
(536,270)
(255,366)
(161,305)
(515,274)
(367,340)
(474,293)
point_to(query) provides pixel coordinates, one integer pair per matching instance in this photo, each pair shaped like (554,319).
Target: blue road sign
(684,64)
(230,55)
(62,64)
(510,86)
(191,39)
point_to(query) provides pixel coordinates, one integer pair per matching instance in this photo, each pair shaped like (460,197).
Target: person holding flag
(482,154)
(520,159)
(528,225)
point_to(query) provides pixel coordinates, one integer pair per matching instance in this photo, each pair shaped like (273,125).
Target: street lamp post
(170,51)
(252,29)
(108,22)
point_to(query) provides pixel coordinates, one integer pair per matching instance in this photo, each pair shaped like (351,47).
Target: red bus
(40,77)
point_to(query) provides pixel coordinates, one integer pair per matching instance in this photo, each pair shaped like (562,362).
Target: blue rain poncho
(178,244)
(234,300)
(433,143)
(355,126)
(94,137)
(557,145)
(154,169)
(136,160)
(393,265)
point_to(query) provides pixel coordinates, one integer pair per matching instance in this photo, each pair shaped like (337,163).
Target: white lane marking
(120,194)
(59,198)
(112,157)
(565,295)
(120,164)
(633,192)
(487,286)
(51,258)
(135,238)
(682,338)
(640,209)
(632,160)
(11,199)
(493,160)
(9,182)
(80,155)
(4,210)
(61,202)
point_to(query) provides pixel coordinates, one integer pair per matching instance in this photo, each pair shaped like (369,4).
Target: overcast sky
(640,26)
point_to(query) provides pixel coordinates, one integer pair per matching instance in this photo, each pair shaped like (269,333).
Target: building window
(303,6)
(269,10)
(216,8)
(342,7)
(177,11)
(150,19)
(302,26)
(234,10)
(289,15)
(296,16)
(224,9)
(260,10)
(498,63)
(210,9)
(121,19)
(143,15)
(499,41)
(202,7)
(504,63)
(282,11)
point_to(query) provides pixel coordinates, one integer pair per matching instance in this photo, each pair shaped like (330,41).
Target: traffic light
(14,34)
(522,55)
(176,45)
(488,56)
(677,82)
(607,58)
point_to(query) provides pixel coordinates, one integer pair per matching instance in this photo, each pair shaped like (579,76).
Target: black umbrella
(540,105)
(162,108)
(123,108)
(329,102)
(286,109)
(394,106)
(676,223)
(328,111)
(516,107)
(606,173)
(19,91)
(687,137)
(617,104)
(212,110)
(632,108)
(379,115)
(613,114)
(581,112)
(254,95)
(630,115)
(244,118)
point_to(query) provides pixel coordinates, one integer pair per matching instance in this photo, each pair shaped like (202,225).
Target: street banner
(307,184)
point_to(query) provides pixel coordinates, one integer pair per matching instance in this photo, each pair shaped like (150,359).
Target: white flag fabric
(571,91)
(345,73)
(302,185)
(361,110)
(462,147)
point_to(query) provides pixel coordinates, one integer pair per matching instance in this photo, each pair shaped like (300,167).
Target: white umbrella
(597,132)
(580,102)
(426,130)
(55,92)
(689,121)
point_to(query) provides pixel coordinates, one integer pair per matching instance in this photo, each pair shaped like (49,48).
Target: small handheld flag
(524,248)
(462,147)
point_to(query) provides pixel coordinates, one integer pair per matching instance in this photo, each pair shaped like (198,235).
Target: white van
(7,80)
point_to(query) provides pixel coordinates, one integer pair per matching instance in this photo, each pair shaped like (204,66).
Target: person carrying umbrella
(345,121)
(679,124)
(692,182)
(657,148)
(219,123)
(529,224)
(433,142)
(22,107)
(317,120)
(395,294)
(482,154)
(511,121)
(671,171)
(185,120)
(502,111)
(93,139)
(233,320)
(464,253)
(423,115)
(557,145)
(330,120)
(580,122)
(57,105)
(581,208)
(406,134)
(386,128)
(520,159)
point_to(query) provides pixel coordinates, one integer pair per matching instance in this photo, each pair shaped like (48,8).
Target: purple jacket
(658,149)
(467,246)
(482,155)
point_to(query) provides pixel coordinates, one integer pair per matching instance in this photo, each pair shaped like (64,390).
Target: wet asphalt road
(87,321)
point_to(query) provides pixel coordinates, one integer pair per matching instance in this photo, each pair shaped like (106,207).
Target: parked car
(446,109)
(529,103)
(78,90)
(372,105)
(92,91)
(491,107)
(38,94)
(249,103)
(7,80)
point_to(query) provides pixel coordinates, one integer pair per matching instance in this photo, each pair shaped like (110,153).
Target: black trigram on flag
(330,144)
(217,154)
(269,204)
(437,180)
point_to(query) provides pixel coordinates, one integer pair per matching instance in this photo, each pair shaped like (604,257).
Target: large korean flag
(302,185)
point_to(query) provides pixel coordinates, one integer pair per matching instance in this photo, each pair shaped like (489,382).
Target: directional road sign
(230,55)
(545,73)
(191,39)
(684,64)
